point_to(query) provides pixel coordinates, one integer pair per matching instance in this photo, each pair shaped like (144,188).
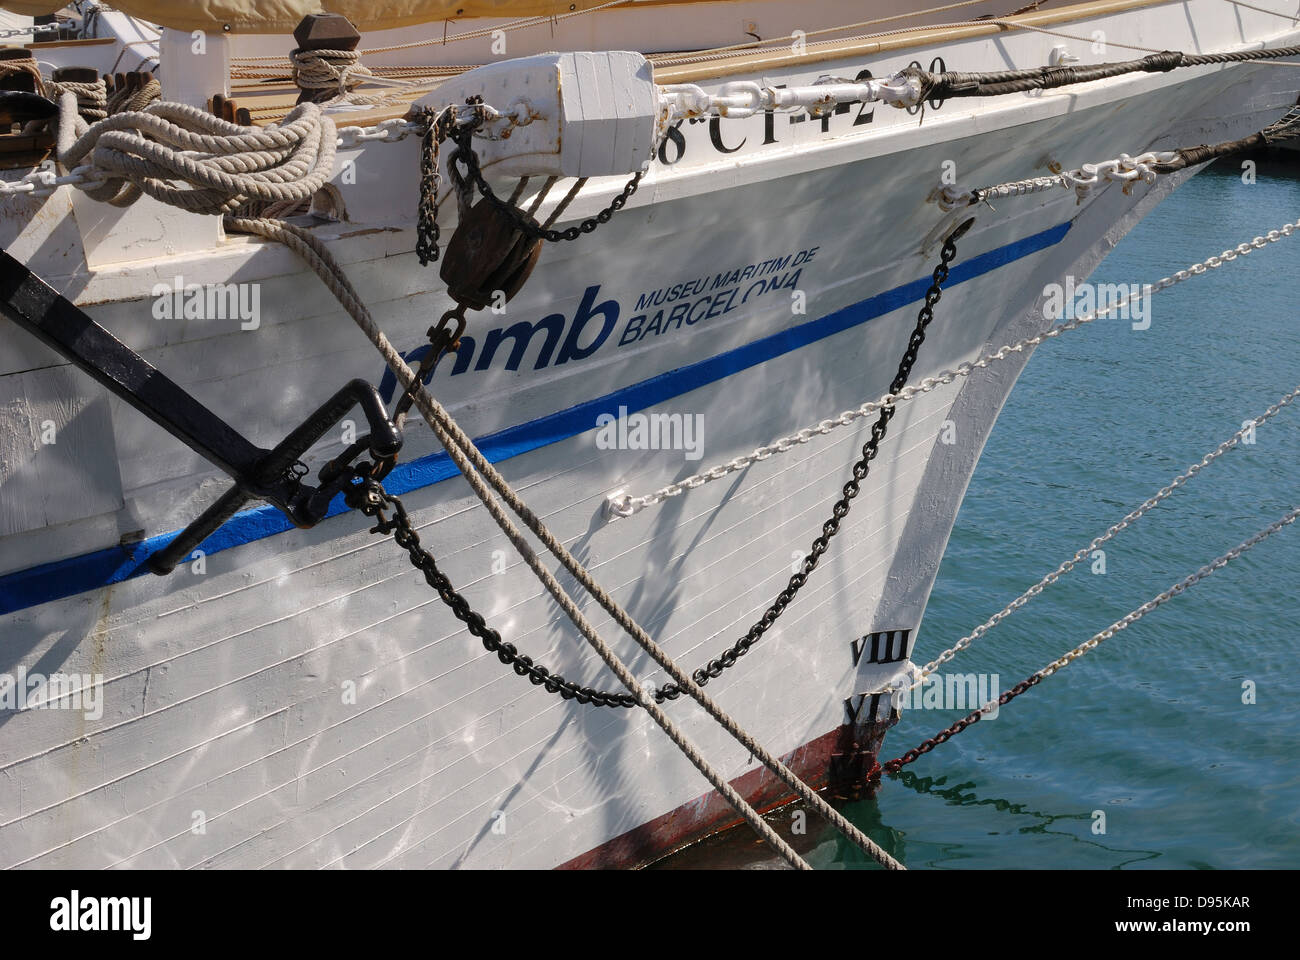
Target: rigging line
(753,45)
(897,764)
(1163,494)
(1007,24)
(1275,13)
(625,505)
(720,53)
(479,473)
(521,24)
(759,46)
(1014,24)
(509,26)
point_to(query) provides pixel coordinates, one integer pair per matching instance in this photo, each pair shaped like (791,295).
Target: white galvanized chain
(44,181)
(625,505)
(386,131)
(1082,180)
(990,708)
(1081,555)
(745,98)
(1190,580)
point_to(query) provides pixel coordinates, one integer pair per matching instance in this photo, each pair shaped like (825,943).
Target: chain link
(925,746)
(437,125)
(1162,494)
(625,505)
(442,339)
(463,137)
(1083,180)
(371,499)
(839,511)
(386,131)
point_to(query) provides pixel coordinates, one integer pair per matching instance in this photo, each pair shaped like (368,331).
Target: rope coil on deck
(340,70)
(92,98)
(125,98)
(223,165)
(28,66)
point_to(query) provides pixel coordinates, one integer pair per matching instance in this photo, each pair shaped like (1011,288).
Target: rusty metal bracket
(259,473)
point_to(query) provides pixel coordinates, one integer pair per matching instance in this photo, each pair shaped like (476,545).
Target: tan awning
(281,16)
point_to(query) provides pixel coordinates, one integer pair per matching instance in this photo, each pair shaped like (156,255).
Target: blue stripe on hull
(65,578)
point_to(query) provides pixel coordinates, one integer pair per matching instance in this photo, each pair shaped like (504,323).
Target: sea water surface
(1143,754)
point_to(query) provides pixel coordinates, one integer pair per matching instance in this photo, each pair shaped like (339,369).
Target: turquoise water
(1149,728)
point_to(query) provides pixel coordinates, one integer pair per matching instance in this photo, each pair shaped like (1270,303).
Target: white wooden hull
(226,692)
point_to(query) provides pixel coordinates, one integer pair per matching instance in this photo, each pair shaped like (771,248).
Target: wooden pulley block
(488,252)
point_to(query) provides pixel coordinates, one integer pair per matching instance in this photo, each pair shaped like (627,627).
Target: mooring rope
(476,469)
(25,65)
(951,84)
(126,99)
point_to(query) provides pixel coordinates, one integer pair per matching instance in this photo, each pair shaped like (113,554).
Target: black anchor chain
(370,498)
(441,126)
(839,511)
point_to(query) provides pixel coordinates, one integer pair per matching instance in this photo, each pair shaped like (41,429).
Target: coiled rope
(126,99)
(223,165)
(27,66)
(339,70)
(481,474)
(92,98)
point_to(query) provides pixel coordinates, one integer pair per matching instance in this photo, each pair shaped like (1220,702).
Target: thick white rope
(1081,555)
(477,469)
(126,98)
(41,183)
(342,71)
(339,70)
(625,505)
(92,98)
(223,165)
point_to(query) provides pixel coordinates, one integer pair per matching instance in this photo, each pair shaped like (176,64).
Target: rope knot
(339,70)
(1162,62)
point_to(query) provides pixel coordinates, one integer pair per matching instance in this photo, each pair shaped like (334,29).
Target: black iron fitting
(274,475)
